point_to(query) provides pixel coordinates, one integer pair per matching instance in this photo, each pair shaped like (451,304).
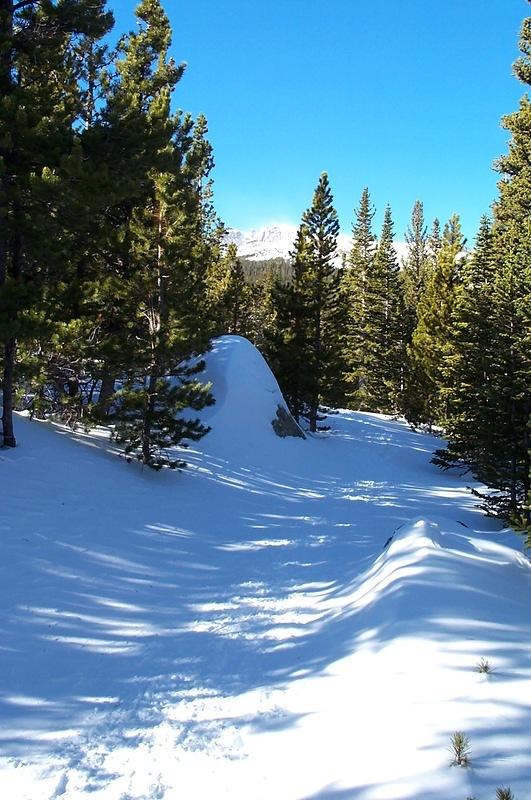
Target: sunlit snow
(289,619)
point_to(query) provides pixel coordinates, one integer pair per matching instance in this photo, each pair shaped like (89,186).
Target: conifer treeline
(114,275)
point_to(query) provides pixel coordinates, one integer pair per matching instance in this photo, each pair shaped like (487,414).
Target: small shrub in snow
(460,749)
(484,666)
(503,793)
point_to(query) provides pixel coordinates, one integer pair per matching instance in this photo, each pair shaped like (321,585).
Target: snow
(276,241)
(285,619)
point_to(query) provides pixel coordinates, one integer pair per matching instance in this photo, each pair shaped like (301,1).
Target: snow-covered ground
(245,629)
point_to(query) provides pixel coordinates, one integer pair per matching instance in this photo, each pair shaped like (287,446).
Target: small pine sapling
(504,793)
(460,749)
(484,666)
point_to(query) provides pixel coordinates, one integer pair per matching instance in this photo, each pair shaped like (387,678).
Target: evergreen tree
(507,465)
(164,300)
(431,339)
(434,242)
(262,314)
(470,363)
(289,346)
(230,296)
(304,350)
(39,104)
(489,367)
(355,287)
(385,325)
(415,265)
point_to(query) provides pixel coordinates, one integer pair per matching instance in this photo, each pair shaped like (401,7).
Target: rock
(284,424)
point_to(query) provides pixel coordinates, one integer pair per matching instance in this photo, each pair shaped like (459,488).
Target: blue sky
(402,96)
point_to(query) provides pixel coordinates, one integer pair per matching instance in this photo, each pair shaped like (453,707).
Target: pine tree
(230,295)
(355,283)
(262,314)
(430,343)
(507,466)
(304,352)
(164,298)
(415,266)
(434,242)
(488,371)
(385,329)
(470,363)
(289,346)
(39,103)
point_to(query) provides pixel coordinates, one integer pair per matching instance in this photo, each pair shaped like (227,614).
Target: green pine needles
(460,749)
(150,423)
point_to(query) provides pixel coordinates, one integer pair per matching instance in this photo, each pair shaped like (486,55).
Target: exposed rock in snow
(285,425)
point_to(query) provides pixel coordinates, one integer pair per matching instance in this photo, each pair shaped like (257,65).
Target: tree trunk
(10,346)
(7,394)
(148,420)
(106,392)
(6,86)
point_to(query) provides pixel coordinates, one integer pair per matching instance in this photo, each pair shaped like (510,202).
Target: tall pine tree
(355,290)
(304,352)
(488,370)
(164,299)
(430,345)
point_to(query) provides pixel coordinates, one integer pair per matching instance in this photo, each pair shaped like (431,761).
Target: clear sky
(402,96)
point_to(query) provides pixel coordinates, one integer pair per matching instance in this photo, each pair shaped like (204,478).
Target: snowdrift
(246,391)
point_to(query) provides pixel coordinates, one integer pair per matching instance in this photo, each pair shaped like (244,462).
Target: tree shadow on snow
(160,599)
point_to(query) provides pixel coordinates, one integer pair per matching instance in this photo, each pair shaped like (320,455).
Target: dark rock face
(284,424)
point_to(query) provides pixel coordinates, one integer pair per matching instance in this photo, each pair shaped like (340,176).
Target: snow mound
(418,536)
(246,392)
(432,570)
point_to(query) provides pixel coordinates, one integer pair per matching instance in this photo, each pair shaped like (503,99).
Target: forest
(115,274)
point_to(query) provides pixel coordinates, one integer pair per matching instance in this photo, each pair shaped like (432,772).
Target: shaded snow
(248,628)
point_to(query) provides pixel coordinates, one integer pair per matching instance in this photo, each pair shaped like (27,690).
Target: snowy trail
(239,631)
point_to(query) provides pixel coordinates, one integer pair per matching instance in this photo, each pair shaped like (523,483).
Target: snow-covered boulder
(249,402)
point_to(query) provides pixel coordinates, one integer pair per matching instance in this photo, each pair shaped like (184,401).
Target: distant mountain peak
(272,241)
(277,240)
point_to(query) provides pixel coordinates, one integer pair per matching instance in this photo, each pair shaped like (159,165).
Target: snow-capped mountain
(261,244)
(276,241)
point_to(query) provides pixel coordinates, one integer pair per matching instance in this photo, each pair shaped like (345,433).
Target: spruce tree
(415,266)
(355,287)
(304,351)
(385,325)
(470,363)
(431,341)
